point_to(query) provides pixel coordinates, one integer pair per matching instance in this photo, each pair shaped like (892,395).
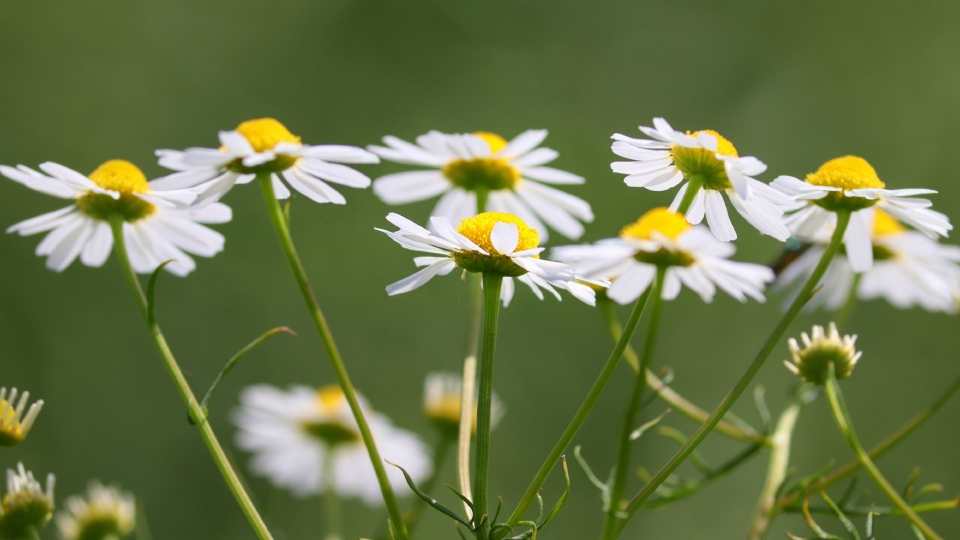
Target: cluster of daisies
(498,201)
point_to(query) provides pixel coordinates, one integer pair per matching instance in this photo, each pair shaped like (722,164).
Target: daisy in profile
(104,513)
(27,506)
(471,167)
(265,146)
(441,403)
(15,418)
(663,238)
(489,242)
(307,441)
(157,226)
(850,184)
(710,167)
(909,269)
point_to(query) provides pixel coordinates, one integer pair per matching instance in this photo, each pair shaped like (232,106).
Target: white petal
(332,172)
(717,217)
(552,176)
(340,153)
(523,143)
(410,186)
(98,247)
(280,191)
(416,280)
(857,240)
(313,188)
(631,283)
(505,237)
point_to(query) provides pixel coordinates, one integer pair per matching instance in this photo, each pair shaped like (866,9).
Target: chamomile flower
(489,242)
(265,146)
(909,269)
(851,184)
(307,441)
(663,238)
(104,513)
(14,424)
(27,505)
(157,226)
(441,403)
(820,349)
(511,174)
(711,167)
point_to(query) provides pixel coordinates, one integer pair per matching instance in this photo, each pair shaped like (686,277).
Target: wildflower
(441,403)
(850,184)
(307,441)
(489,242)
(711,166)
(157,226)
(14,424)
(105,513)
(265,146)
(471,165)
(812,362)
(26,505)
(662,238)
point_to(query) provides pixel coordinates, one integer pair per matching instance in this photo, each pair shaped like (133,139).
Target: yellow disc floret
(495,141)
(848,172)
(885,224)
(264,133)
(724,146)
(329,427)
(123,177)
(701,165)
(662,220)
(479,227)
(331,399)
(120,175)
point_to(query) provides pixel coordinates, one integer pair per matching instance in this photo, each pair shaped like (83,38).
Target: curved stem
(842,416)
(776,472)
(491,312)
(467,384)
(196,413)
(843,219)
(286,242)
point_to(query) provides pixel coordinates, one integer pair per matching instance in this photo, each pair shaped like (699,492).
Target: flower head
(441,403)
(266,147)
(464,166)
(14,424)
(26,505)
(105,513)
(821,350)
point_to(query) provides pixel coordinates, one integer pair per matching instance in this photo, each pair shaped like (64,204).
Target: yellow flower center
(445,410)
(885,224)
(701,166)
(120,175)
(10,431)
(264,133)
(479,228)
(724,146)
(662,220)
(848,172)
(330,401)
(495,141)
(483,174)
(124,177)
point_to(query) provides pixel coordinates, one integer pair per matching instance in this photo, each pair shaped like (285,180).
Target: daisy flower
(104,513)
(265,146)
(441,403)
(820,349)
(850,184)
(489,242)
(14,424)
(663,238)
(27,505)
(510,176)
(307,441)
(909,269)
(711,167)
(157,226)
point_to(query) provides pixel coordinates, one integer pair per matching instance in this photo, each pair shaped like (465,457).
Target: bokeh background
(792,82)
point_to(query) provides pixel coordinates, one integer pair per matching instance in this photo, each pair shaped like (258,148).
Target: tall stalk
(491,311)
(467,384)
(767,507)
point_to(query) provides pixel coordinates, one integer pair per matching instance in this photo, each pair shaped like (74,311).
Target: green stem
(439,457)
(694,184)
(581,415)
(622,463)
(32,534)
(196,413)
(467,384)
(286,242)
(767,507)
(491,312)
(664,392)
(843,219)
(849,303)
(331,503)
(842,416)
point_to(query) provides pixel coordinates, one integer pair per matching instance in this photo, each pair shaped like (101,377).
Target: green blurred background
(792,82)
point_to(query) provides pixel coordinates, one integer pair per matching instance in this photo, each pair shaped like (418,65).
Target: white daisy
(488,242)
(851,184)
(711,166)
(441,403)
(14,424)
(157,225)
(27,505)
(105,513)
(663,238)
(265,146)
(307,441)
(909,269)
(511,174)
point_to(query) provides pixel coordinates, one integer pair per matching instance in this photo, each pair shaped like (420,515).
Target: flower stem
(694,183)
(196,413)
(849,303)
(581,415)
(840,413)
(491,312)
(331,502)
(767,507)
(32,534)
(286,242)
(843,219)
(467,384)
(622,464)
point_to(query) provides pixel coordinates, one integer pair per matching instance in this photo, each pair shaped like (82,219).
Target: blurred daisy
(663,238)
(489,242)
(157,226)
(14,424)
(909,269)
(462,165)
(851,184)
(441,403)
(27,505)
(307,441)
(105,513)
(711,166)
(265,146)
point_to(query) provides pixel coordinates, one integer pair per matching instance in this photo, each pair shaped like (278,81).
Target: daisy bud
(26,505)
(14,424)
(103,513)
(812,362)
(441,403)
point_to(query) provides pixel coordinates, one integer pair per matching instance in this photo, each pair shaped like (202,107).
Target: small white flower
(264,146)
(307,441)
(105,513)
(441,403)
(157,225)
(14,424)
(663,238)
(512,173)
(489,242)
(849,183)
(710,164)
(26,505)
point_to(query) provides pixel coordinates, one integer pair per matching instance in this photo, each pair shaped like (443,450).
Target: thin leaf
(460,496)
(430,500)
(151,285)
(844,520)
(603,487)
(758,398)
(637,433)
(563,498)
(822,534)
